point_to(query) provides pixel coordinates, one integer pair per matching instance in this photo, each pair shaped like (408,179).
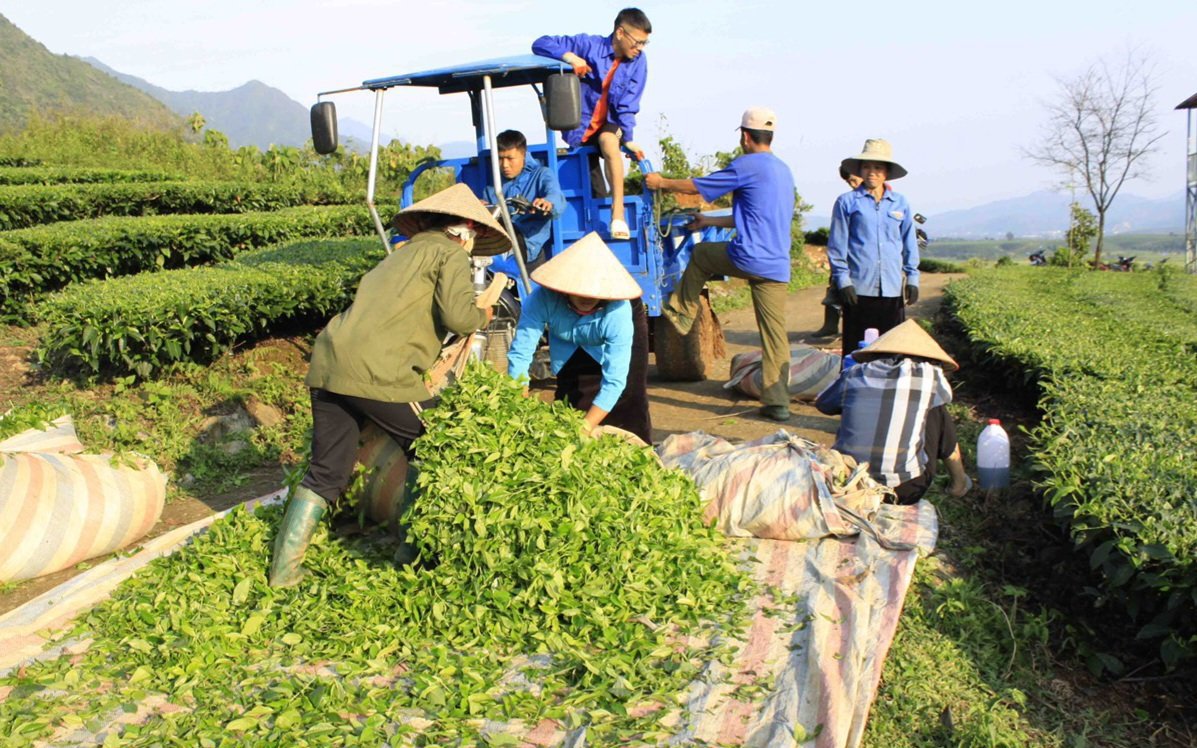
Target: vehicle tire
(693,357)
(501,331)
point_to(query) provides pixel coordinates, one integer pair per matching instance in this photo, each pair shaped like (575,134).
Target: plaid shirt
(884,405)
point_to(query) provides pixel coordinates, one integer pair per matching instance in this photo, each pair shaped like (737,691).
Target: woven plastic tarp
(58,507)
(850,576)
(811,372)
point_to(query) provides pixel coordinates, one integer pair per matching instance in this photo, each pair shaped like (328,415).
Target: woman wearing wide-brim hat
(894,416)
(368,362)
(872,246)
(598,336)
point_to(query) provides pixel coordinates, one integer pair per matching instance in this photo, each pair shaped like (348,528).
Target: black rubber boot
(303,513)
(831,322)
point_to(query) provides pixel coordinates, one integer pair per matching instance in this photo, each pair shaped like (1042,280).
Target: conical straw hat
(458,200)
(876,149)
(907,339)
(588,268)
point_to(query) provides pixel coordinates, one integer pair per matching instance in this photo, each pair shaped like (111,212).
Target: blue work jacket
(532,182)
(605,334)
(623,97)
(873,244)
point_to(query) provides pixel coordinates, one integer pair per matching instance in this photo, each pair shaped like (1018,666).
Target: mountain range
(1046,213)
(34,80)
(251,114)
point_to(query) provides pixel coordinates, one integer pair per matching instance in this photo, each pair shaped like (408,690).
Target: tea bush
(32,205)
(45,258)
(1112,356)
(16,174)
(142,324)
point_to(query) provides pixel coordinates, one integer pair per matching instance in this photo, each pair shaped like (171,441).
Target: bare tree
(1101,129)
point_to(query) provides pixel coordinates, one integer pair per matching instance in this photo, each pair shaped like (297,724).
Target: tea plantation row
(142,323)
(45,258)
(1112,358)
(24,206)
(19,172)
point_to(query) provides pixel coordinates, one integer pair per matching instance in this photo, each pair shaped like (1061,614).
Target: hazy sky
(956,87)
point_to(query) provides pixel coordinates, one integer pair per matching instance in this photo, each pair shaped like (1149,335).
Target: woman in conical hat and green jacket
(368,362)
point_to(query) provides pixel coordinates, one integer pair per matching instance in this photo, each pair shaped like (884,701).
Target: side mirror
(324,127)
(563,101)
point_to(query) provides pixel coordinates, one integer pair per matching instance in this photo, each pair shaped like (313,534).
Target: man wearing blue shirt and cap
(526,178)
(872,247)
(762,190)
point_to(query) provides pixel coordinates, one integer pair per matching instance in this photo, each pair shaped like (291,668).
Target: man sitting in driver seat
(526,178)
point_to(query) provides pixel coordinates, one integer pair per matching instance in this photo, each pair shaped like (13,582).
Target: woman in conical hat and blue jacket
(598,336)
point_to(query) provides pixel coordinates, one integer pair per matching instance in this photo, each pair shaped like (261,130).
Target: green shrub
(932,265)
(13,175)
(32,205)
(818,237)
(1112,357)
(19,161)
(46,258)
(143,323)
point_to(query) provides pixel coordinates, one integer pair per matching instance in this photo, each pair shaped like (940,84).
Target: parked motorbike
(1124,264)
(919,234)
(1038,258)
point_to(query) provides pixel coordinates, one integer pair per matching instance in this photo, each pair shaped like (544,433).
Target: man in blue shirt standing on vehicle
(613,71)
(872,247)
(526,178)
(762,190)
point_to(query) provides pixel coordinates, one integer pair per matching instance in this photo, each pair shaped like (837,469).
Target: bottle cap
(995,422)
(870,335)
(861,344)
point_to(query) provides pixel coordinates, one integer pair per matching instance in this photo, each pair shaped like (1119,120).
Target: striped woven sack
(811,372)
(57,509)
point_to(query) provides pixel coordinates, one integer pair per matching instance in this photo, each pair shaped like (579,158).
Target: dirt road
(680,407)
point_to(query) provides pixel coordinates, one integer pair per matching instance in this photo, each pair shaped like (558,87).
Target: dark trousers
(579,380)
(939,442)
(882,312)
(337,422)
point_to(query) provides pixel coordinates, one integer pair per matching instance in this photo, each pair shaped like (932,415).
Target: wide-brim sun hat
(588,268)
(907,339)
(876,149)
(460,201)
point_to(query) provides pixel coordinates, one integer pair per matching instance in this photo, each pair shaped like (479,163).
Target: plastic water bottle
(993,456)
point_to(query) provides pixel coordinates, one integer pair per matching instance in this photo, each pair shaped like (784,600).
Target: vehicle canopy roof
(521,70)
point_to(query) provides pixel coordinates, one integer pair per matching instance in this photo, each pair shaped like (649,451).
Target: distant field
(1144,247)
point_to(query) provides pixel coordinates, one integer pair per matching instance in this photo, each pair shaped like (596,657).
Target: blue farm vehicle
(656,253)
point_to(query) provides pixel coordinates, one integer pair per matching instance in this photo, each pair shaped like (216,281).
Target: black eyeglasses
(636,43)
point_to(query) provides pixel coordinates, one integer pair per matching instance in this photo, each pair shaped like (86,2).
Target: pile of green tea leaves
(557,578)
